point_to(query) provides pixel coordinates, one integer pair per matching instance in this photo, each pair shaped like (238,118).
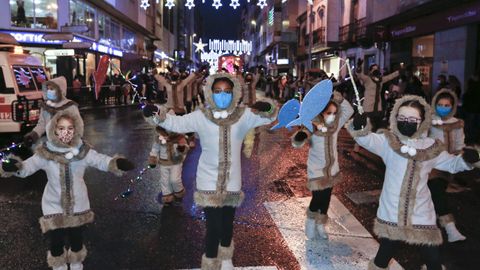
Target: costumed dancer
(250,88)
(54,93)
(175,91)
(449,130)
(65,204)
(373,83)
(322,165)
(221,126)
(169,151)
(406,212)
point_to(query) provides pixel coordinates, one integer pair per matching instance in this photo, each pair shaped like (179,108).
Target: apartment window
(108,30)
(83,14)
(128,40)
(34,13)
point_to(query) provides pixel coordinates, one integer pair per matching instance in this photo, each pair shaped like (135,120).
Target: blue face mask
(443,111)
(222,100)
(51,95)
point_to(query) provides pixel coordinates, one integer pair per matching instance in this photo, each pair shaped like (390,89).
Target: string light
(144,4)
(170,4)
(190,4)
(217,4)
(131,184)
(4,152)
(234,4)
(262,3)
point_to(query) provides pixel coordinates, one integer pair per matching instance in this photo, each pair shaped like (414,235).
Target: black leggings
(57,239)
(320,200)
(438,189)
(431,254)
(219,228)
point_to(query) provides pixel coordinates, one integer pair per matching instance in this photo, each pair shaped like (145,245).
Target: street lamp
(253,22)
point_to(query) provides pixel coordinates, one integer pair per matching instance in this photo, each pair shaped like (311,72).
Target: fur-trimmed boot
(76,258)
(320,221)
(57,262)
(373,266)
(310,225)
(210,263)
(448,222)
(225,254)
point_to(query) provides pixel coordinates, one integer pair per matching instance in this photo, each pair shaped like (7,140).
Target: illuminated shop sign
(230,46)
(37,38)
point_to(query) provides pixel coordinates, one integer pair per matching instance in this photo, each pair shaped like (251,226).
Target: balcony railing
(353,32)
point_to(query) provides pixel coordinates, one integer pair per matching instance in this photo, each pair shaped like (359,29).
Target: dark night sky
(220,24)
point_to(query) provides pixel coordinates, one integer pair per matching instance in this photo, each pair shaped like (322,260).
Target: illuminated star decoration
(170,4)
(200,45)
(262,3)
(217,3)
(190,4)
(310,2)
(145,4)
(234,4)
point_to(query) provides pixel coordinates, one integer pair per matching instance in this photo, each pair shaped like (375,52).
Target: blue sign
(37,38)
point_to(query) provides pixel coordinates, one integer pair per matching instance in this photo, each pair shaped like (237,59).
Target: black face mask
(406,128)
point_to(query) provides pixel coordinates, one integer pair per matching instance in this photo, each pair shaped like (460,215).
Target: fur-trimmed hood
(425,125)
(454,105)
(171,136)
(337,99)
(237,92)
(60,86)
(77,137)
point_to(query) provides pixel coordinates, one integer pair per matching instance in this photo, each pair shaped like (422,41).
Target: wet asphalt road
(138,233)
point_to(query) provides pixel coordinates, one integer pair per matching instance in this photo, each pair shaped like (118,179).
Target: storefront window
(108,30)
(34,13)
(83,14)
(128,40)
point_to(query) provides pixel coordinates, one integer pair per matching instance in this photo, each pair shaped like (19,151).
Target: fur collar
(427,153)
(424,126)
(230,120)
(454,105)
(77,137)
(60,106)
(58,154)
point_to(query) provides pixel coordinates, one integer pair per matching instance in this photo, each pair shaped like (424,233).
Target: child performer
(322,164)
(221,126)
(406,212)
(65,204)
(169,151)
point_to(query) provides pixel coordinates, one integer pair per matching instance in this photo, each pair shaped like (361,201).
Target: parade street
(139,233)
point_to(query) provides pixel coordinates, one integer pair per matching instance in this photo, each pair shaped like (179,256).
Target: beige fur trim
(59,85)
(59,221)
(317,216)
(422,154)
(372,266)
(216,199)
(416,234)
(454,105)
(361,132)
(112,166)
(237,91)
(19,165)
(43,151)
(272,114)
(298,144)
(424,126)
(77,123)
(54,110)
(408,193)
(445,219)
(210,263)
(57,261)
(230,120)
(321,183)
(225,253)
(77,257)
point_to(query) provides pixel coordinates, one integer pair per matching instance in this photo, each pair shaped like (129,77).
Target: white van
(21,77)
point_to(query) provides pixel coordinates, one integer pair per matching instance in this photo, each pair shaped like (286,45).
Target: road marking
(350,245)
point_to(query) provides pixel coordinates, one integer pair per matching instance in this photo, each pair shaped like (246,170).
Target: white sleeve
(347,112)
(451,163)
(259,119)
(373,142)
(97,160)
(31,166)
(180,124)
(155,149)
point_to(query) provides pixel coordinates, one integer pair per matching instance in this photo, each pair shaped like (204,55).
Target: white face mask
(330,118)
